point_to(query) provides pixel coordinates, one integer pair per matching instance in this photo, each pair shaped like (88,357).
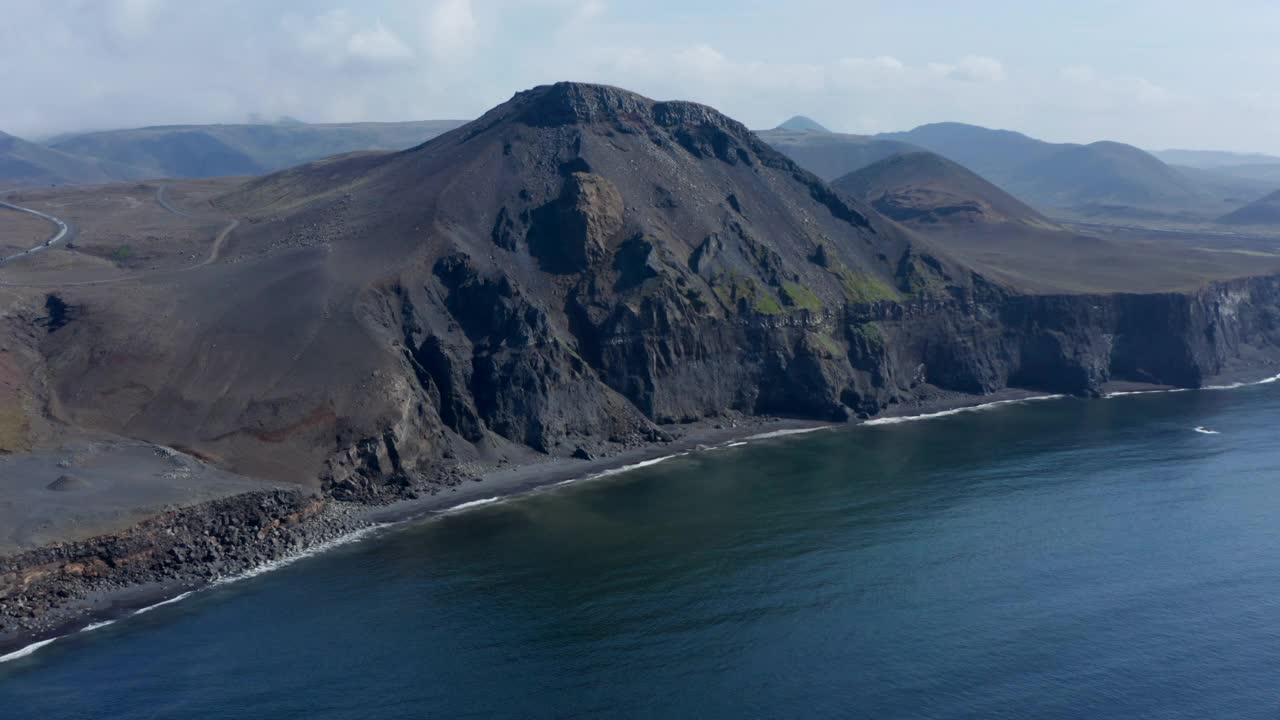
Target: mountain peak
(575,103)
(802,123)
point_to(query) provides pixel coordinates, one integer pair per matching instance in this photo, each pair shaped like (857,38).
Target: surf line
(361,533)
(957,411)
(1231,386)
(351,537)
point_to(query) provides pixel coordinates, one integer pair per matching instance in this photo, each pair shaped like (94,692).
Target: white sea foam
(473,503)
(792,431)
(302,554)
(634,466)
(1125,393)
(25,651)
(621,469)
(1235,385)
(737,444)
(30,649)
(957,411)
(254,572)
(1206,431)
(170,601)
(1230,386)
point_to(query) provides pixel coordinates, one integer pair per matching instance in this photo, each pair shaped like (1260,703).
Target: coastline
(339,523)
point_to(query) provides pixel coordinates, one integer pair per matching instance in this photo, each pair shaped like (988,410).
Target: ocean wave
(959,410)
(784,433)
(622,468)
(253,572)
(30,649)
(1126,393)
(170,601)
(633,466)
(737,444)
(290,559)
(471,504)
(1229,386)
(27,650)
(1206,431)
(1237,385)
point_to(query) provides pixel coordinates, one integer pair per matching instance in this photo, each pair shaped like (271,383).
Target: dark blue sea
(1055,559)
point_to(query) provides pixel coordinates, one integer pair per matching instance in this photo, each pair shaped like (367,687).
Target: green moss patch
(797,295)
(864,289)
(869,332)
(734,288)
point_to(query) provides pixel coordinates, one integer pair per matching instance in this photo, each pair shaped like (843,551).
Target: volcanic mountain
(1261,212)
(1064,175)
(975,220)
(926,190)
(573,267)
(801,123)
(567,275)
(830,155)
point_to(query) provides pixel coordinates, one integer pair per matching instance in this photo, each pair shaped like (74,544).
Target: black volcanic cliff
(575,269)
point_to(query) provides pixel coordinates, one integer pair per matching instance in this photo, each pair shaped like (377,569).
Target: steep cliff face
(866,357)
(573,270)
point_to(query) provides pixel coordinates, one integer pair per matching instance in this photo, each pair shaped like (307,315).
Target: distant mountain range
(1098,179)
(199,150)
(1214,158)
(830,155)
(1062,175)
(1101,178)
(28,163)
(220,150)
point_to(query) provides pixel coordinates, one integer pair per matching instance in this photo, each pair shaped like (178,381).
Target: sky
(1173,73)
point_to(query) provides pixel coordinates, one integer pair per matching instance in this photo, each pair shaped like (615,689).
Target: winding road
(218,241)
(64,228)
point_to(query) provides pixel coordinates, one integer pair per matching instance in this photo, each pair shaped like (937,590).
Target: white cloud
(132,18)
(451,29)
(703,72)
(1109,90)
(887,72)
(590,9)
(108,63)
(378,44)
(340,39)
(978,68)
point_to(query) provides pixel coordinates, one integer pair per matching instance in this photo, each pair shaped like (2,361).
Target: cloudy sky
(1167,73)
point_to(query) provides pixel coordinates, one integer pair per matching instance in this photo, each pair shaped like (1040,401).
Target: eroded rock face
(568,273)
(190,545)
(581,227)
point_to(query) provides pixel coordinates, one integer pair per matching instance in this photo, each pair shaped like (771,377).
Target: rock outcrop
(564,276)
(183,547)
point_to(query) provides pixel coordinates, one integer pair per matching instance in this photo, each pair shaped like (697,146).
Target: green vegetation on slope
(799,296)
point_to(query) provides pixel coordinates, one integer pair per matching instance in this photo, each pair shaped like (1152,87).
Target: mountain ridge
(565,276)
(243,149)
(24,162)
(1265,211)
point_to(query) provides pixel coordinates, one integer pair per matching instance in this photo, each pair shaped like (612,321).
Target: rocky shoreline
(56,590)
(52,590)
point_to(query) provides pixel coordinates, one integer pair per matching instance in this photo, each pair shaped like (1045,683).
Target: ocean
(1067,558)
